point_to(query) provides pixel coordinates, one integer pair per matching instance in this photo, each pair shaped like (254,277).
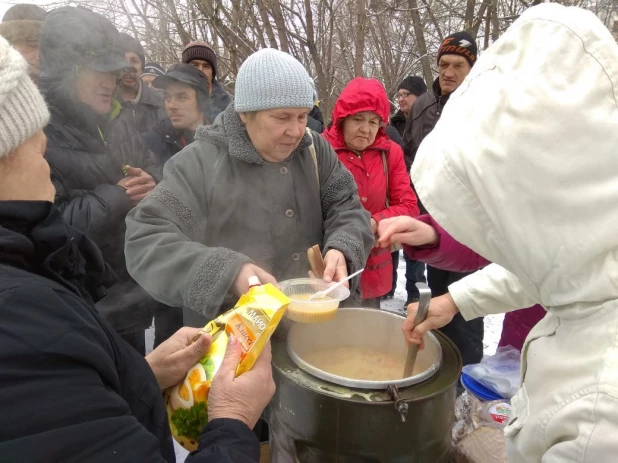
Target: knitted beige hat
(23,111)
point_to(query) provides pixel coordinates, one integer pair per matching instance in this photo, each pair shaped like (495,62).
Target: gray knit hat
(23,111)
(271,79)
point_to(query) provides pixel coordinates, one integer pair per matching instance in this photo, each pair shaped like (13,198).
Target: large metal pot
(362,328)
(313,420)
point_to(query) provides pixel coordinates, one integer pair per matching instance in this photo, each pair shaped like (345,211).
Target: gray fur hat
(22,23)
(21,31)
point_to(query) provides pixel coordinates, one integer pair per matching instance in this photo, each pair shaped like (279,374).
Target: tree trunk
(476,23)
(495,24)
(313,50)
(280,23)
(469,15)
(361,19)
(488,25)
(267,27)
(420,41)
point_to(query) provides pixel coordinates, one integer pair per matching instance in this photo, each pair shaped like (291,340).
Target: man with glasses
(408,91)
(456,56)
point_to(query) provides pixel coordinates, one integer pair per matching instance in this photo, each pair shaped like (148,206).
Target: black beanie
(461,44)
(413,84)
(127,43)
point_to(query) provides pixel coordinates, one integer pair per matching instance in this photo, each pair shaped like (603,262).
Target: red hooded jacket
(368,170)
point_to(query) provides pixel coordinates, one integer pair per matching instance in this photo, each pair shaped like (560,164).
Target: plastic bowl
(316,311)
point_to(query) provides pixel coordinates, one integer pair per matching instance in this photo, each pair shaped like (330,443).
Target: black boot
(411,301)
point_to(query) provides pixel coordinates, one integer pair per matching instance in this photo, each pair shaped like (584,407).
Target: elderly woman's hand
(171,361)
(245,397)
(241,283)
(336,267)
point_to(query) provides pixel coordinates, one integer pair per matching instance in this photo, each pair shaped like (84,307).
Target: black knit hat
(413,84)
(127,43)
(153,69)
(461,44)
(200,50)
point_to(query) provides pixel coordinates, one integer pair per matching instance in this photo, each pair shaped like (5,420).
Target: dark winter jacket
(424,116)
(392,133)
(399,122)
(217,102)
(85,173)
(315,120)
(165,141)
(84,170)
(136,118)
(71,389)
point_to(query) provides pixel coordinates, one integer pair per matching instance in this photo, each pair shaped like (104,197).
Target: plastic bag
(464,410)
(500,372)
(472,413)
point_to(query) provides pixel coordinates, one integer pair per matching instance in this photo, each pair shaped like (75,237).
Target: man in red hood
(376,163)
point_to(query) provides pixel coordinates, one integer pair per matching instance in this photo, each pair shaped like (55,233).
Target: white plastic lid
(254,281)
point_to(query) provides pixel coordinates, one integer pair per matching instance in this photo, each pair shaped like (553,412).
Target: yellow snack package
(252,321)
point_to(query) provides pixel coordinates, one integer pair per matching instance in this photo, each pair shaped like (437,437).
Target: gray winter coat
(220,205)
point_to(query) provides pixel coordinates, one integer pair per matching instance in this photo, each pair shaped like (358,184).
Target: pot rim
(366,384)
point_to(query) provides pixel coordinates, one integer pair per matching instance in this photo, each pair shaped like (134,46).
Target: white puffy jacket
(523,168)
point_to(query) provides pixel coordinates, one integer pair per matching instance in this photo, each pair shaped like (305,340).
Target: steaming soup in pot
(361,363)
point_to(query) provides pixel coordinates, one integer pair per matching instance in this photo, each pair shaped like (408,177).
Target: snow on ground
(493,329)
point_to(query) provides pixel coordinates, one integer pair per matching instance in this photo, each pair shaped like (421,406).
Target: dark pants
(467,336)
(395,257)
(415,273)
(167,321)
(137,340)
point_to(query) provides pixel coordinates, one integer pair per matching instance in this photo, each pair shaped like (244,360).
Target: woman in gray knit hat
(248,198)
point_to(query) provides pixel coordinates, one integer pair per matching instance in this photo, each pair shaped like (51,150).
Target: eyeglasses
(403,95)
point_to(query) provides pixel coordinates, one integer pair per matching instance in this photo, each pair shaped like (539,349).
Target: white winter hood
(523,165)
